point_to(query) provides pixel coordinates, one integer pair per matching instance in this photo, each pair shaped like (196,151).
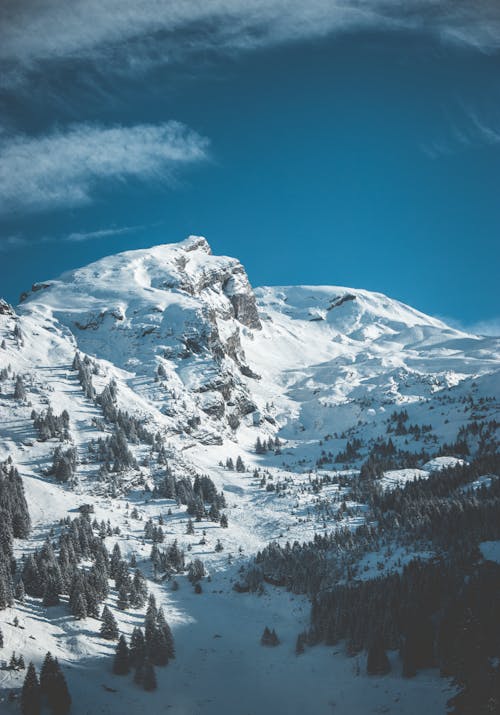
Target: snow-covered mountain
(177,350)
(191,338)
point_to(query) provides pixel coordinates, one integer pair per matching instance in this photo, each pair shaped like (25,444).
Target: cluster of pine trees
(112,452)
(148,647)
(239,467)
(270,445)
(64,463)
(171,487)
(438,613)
(441,613)
(132,427)
(398,424)
(474,438)
(132,590)
(51,689)
(85,368)
(14,524)
(45,574)
(384,456)
(49,425)
(168,561)
(194,494)
(438,512)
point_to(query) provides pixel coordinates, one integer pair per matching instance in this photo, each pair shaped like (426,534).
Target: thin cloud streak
(135,33)
(79,237)
(62,169)
(12,243)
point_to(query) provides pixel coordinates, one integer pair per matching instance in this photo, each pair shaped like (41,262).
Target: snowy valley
(264,458)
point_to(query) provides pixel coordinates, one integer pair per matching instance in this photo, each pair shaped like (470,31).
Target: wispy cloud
(17,242)
(11,243)
(79,237)
(63,168)
(140,31)
(464,131)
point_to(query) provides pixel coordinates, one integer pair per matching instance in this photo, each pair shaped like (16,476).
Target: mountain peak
(196,243)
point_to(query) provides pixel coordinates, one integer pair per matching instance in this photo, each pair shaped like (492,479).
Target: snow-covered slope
(205,366)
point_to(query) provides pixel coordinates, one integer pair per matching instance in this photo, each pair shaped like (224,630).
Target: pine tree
(137,648)
(223,521)
(109,628)
(190,527)
(116,557)
(31,693)
(79,607)
(20,592)
(58,696)
(166,630)
(240,467)
(121,664)
(158,648)
(51,593)
(269,638)
(19,390)
(196,570)
(47,673)
(122,601)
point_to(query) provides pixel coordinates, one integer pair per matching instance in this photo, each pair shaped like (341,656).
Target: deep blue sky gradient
(356,160)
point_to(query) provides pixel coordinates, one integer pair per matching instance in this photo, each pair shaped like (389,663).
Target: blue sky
(318,145)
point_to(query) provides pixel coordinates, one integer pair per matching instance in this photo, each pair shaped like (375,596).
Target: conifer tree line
(441,612)
(49,689)
(475,438)
(113,452)
(15,523)
(438,512)
(132,428)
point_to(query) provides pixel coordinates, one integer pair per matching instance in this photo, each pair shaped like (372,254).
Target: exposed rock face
(239,291)
(176,307)
(245,310)
(5,308)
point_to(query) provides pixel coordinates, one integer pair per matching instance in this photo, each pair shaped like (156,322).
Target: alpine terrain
(219,499)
